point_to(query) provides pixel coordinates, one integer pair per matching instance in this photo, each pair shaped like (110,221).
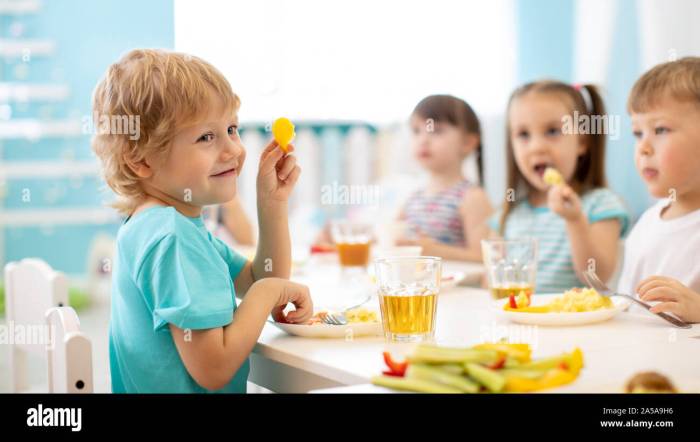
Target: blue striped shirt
(555,267)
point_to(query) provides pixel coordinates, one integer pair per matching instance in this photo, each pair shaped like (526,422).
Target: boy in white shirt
(662,253)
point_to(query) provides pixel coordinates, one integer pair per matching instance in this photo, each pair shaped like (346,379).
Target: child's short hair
(162,91)
(678,80)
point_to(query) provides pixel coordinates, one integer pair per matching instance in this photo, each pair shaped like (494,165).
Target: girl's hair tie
(586,95)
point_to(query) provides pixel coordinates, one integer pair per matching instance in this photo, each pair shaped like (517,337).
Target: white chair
(69,353)
(32,287)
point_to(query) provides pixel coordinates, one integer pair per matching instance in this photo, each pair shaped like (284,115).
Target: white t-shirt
(658,247)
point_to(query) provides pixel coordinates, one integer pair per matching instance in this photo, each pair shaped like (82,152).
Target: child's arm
(277,175)
(212,357)
(475,210)
(674,297)
(591,244)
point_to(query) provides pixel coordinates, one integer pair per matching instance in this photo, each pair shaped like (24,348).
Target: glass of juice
(511,266)
(352,240)
(408,288)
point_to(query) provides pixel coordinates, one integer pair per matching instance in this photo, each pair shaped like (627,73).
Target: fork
(339,318)
(594,281)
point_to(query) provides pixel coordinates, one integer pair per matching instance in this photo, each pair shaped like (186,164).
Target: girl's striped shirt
(437,215)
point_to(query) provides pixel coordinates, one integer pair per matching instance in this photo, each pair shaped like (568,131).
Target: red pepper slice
(513,304)
(397,368)
(321,248)
(500,363)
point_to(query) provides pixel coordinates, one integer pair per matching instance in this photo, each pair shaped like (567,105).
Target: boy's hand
(673,297)
(563,201)
(296,294)
(277,173)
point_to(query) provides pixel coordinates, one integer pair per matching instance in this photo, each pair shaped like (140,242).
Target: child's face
(439,146)
(203,162)
(667,153)
(535,121)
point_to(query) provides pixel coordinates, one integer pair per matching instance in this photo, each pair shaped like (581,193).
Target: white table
(613,350)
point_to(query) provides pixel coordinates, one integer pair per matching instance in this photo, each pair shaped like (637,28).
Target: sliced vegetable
(520,352)
(492,367)
(435,374)
(573,361)
(413,385)
(493,381)
(444,355)
(395,368)
(550,379)
(451,368)
(522,373)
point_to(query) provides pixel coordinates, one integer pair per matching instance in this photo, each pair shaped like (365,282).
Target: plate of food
(361,322)
(577,306)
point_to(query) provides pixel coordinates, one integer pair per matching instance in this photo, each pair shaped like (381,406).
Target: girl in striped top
(578,223)
(448,217)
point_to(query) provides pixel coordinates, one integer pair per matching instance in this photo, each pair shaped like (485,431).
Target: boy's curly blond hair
(165,91)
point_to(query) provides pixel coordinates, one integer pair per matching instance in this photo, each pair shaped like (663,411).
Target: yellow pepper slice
(283,132)
(520,352)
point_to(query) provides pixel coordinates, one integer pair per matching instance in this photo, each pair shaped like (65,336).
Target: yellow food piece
(520,352)
(580,300)
(283,131)
(553,177)
(522,300)
(572,301)
(555,377)
(361,315)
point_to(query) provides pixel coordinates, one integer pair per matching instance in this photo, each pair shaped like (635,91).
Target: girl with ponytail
(577,221)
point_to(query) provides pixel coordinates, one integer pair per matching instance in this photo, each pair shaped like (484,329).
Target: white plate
(559,319)
(353,330)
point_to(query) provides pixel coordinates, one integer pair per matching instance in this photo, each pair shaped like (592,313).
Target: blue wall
(89,35)
(544,39)
(545,49)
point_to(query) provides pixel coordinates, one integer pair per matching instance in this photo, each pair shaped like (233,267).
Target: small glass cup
(408,288)
(353,243)
(511,266)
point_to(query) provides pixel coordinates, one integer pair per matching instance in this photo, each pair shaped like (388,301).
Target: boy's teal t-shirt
(168,269)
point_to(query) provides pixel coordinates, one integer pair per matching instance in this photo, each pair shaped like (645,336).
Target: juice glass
(353,243)
(408,289)
(511,266)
